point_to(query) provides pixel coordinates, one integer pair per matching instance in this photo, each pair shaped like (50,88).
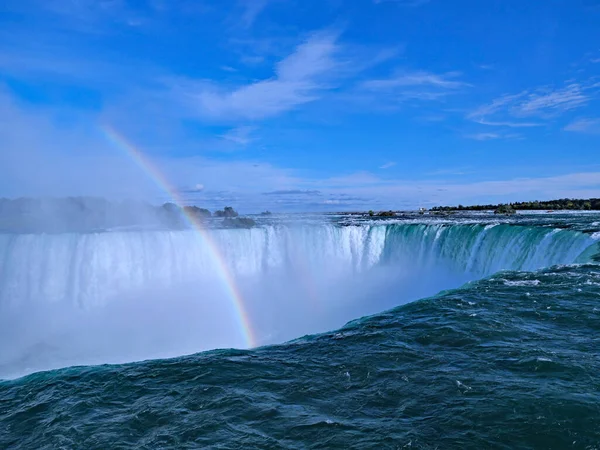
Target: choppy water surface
(508,360)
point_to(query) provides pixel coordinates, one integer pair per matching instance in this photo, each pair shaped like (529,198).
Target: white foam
(459,384)
(522,283)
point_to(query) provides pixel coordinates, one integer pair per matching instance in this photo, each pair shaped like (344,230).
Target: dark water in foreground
(511,362)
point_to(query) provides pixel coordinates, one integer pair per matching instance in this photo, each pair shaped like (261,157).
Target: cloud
(542,103)
(585,183)
(559,100)
(252,60)
(492,136)
(240,135)
(349,203)
(67,160)
(418,78)
(501,123)
(387,165)
(351,180)
(586,125)
(483,136)
(73,157)
(299,78)
(85,16)
(404,86)
(392,193)
(433,118)
(70,65)
(348,198)
(452,171)
(252,8)
(75,160)
(497,106)
(194,189)
(293,192)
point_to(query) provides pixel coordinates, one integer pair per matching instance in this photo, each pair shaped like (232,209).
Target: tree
(195,211)
(228,211)
(505,209)
(170,207)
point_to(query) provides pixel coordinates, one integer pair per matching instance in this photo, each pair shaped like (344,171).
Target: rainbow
(157,176)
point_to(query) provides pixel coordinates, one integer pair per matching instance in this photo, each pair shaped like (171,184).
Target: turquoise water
(508,360)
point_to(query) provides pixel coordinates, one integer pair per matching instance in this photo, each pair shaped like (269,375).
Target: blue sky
(302,105)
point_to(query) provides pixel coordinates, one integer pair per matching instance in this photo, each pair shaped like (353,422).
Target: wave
(120,296)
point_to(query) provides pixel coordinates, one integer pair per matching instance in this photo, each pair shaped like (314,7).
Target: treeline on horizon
(82,214)
(228,211)
(590,204)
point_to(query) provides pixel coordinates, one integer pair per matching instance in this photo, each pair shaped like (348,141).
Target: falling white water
(120,296)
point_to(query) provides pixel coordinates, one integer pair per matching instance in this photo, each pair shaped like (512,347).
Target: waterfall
(75,298)
(89,269)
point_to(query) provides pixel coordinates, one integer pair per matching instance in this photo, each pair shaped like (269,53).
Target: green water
(511,361)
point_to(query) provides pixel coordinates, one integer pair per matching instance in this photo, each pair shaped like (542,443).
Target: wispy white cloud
(492,136)
(498,106)
(500,123)
(240,135)
(541,104)
(252,60)
(251,10)
(552,101)
(406,86)
(417,78)
(198,187)
(86,16)
(387,165)
(483,136)
(585,125)
(299,78)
